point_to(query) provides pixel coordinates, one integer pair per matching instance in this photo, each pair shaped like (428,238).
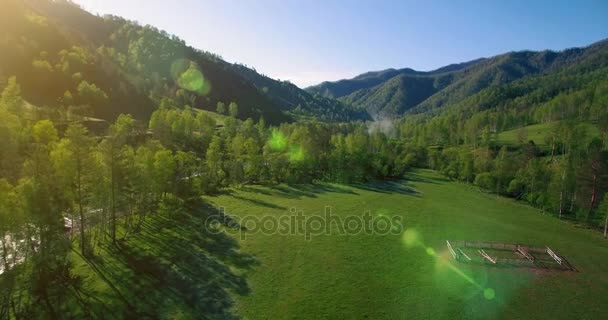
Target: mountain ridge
(385,93)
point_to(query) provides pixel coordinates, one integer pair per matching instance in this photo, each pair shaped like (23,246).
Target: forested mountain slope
(299,102)
(396,92)
(66,58)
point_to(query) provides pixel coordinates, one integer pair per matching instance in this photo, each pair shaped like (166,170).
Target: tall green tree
(73,163)
(110,148)
(11,96)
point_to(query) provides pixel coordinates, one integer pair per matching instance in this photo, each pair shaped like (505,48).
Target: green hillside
(396,92)
(131,68)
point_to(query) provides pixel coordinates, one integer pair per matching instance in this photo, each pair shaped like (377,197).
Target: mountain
(298,102)
(394,92)
(66,58)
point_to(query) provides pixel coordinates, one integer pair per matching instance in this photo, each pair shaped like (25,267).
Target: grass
(175,268)
(537,133)
(378,277)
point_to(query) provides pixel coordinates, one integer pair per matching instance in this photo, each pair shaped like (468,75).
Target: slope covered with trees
(73,62)
(300,103)
(396,92)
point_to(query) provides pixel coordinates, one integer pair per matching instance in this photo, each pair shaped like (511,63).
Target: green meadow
(539,132)
(381,277)
(179,266)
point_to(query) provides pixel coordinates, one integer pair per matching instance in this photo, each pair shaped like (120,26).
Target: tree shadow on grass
(298,191)
(388,187)
(176,267)
(258,202)
(415,177)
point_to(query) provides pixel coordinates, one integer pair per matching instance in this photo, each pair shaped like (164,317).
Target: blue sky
(310,41)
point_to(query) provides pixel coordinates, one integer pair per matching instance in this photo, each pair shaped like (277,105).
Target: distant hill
(52,47)
(298,102)
(394,92)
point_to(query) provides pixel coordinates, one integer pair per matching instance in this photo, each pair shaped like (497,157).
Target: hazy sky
(310,41)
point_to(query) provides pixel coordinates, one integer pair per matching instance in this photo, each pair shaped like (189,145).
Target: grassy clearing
(378,277)
(538,132)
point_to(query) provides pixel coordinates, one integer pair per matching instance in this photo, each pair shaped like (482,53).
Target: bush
(516,187)
(486,181)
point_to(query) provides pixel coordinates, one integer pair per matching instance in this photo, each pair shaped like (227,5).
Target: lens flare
(382,212)
(296,153)
(188,76)
(463,275)
(411,238)
(277,141)
(489,293)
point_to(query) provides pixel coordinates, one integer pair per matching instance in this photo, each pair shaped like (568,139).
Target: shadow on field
(415,177)
(388,187)
(297,191)
(176,267)
(259,202)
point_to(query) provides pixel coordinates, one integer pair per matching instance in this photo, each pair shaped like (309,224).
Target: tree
(214,159)
(505,166)
(485,180)
(10,133)
(164,170)
(67,99)
(43,202)
(594,171)
(110,148)
(468,170)
(144,182)
(603,125)
(9,220)
(522,135)
(72,161)
(233,109)
(44,133)
(603,213)
(11,96)
(221,108)
(91,95)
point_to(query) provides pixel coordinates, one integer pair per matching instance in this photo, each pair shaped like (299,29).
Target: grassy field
(176,269)
(379,277)
(538,132)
